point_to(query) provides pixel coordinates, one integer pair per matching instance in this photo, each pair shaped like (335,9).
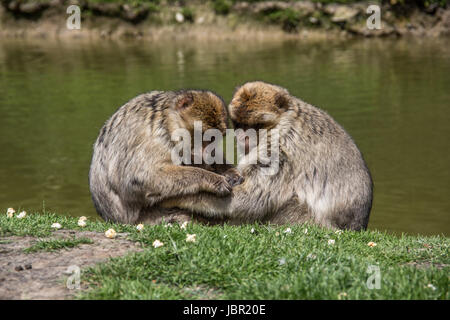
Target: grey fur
(132,171)
(322,176)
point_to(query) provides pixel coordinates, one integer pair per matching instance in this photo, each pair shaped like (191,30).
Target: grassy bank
(254,262)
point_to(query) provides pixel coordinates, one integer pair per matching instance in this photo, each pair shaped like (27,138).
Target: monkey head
(196,105)
(191,106)
(257,105)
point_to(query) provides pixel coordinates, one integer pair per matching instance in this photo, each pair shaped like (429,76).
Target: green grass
(39,225)
(57,244)
(229,262)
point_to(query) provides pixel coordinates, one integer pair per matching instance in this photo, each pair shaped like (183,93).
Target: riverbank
(199,262)
(221,19)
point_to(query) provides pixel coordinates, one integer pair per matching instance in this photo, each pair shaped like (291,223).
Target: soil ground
(43,275)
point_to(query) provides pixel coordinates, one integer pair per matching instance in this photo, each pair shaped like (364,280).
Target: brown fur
(322,176)
(132,171)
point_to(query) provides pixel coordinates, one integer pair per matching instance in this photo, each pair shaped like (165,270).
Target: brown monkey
(132,169)
(322,176)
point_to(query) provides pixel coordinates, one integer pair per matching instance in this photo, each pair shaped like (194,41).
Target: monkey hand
(221,186)
(233,177)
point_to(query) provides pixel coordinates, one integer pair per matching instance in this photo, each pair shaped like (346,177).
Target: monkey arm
(249,201)
(230,172)
(258,196)
(205,203)
(173,181)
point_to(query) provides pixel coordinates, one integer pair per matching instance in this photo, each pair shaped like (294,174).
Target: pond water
(392,96)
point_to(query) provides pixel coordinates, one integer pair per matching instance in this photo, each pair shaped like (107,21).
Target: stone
(313,20)
(32,7)
(330,9)
(134,14)
(344,14)
(13,5)
(261,7)
(305,7)
(179,17)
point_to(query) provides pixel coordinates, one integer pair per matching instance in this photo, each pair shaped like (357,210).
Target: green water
(392,96)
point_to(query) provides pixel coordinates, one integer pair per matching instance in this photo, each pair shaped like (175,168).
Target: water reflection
(392,97)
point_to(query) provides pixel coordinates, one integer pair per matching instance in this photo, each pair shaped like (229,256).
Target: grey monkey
(322,176)
(132,170)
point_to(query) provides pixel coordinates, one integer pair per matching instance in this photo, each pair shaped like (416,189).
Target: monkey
(322,177)
(132,169)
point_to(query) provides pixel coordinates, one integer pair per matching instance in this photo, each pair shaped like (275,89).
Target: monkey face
(195,107)
(258,105)
(203,106)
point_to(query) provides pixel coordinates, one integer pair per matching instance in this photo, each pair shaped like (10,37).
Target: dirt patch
(42,275)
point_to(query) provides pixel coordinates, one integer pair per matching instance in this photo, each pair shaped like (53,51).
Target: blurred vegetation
(290,15)
(392,2)
(188,14)
(222,6)
(288,18)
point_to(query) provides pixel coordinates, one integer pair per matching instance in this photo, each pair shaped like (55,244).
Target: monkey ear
(184,101)
(282,100)
(246,95)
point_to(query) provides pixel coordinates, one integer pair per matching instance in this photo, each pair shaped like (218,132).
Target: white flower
(10,212)
(184,225)
(331,241)
(338,232)
(342,295)
(110,233)
(371,244)
(282,261)
(22,215)
(56,225)
(157,243)
(140,227)
(225,236)
(288,230)
(168,225)
(190,237)
(179,17)
(311,256)
(253,230)
(82,221)
(305,231)
(431,287)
